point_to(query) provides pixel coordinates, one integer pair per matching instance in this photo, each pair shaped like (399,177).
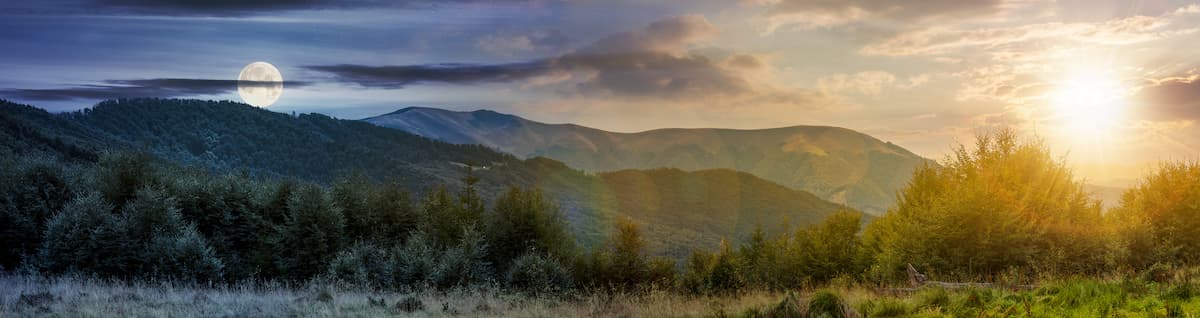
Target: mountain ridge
(836,163)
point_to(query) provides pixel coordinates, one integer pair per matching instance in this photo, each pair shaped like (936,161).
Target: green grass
(25,296)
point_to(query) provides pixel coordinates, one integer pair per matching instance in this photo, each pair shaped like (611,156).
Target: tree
(1158,220)
(71,236)
(621,263)
(833,247)
(525,222)
(1006,203)
(35,193)
(313,234)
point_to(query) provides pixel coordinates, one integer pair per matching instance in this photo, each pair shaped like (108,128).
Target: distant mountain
(837,164)
(686,209)
(680,210)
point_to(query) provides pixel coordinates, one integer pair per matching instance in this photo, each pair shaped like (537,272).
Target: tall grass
(1131,296)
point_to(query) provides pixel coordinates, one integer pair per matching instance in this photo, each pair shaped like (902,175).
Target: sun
(1088,105)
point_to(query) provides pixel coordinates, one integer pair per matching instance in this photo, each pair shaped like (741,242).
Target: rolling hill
(679,210)
(837,164)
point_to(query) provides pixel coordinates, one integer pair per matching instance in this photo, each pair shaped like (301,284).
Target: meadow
(1154,293)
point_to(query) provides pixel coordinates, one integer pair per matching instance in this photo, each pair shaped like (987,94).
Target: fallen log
(919,281)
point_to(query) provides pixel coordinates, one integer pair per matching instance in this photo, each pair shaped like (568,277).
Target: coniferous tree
(313,233)
(34,194)
(522,222)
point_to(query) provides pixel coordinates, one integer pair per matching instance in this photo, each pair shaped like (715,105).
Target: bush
(365,266)
(826,304)
(183,256)
(884,308)
(464,264)
(537,273)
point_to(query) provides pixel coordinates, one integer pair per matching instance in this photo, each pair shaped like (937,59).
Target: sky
(1112,86)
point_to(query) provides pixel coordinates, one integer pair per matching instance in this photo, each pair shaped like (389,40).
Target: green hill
(682,210)
(837,164)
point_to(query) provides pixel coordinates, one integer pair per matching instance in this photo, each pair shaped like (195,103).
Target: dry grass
(23,296)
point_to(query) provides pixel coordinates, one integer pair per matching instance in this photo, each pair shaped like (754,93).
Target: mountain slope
(691,209)
(837,164)
(699,208)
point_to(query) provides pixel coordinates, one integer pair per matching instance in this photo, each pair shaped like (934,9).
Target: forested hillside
(836,164)
(227,137)
(682,209)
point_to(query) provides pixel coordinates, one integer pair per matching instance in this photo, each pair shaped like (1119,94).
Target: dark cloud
(228,8)
(649,62)
(399,76)
(158,87)
(1171,99)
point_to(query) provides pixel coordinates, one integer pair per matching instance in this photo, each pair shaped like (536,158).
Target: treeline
(129,216)
(1005,206)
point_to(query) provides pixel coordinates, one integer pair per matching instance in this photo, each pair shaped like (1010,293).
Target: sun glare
(1088,105)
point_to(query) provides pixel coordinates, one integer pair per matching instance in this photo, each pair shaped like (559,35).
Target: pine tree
(313,234)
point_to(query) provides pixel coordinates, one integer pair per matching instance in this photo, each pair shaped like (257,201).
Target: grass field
(23,296)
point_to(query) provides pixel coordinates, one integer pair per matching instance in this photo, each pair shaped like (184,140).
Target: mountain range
(680,210)
(837,164)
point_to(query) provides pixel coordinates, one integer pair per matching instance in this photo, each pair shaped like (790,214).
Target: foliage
(1006,203)
(525,222)
(1157,220)
(539,274)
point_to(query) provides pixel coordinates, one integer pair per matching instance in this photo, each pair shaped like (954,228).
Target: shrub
(183,256)
(826,304)
(464,264)
(537,273)
(884,308)
(364,266)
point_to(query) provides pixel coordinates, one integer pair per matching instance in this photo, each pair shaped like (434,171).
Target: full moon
(260,84)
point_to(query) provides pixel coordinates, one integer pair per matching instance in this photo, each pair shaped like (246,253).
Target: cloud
(514,44)
(158,87)
(939,41)
(399,76)
(671,35)
(230,8)
(829,13)
(650,62)
(1170,99)
(869,83)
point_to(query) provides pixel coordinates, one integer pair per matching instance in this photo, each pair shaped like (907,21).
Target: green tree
(313,234)
(1158,220)
(1006,203)
(34,193)
(524,222)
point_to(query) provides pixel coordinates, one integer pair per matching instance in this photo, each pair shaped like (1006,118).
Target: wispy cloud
(157,87)
(228,8)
